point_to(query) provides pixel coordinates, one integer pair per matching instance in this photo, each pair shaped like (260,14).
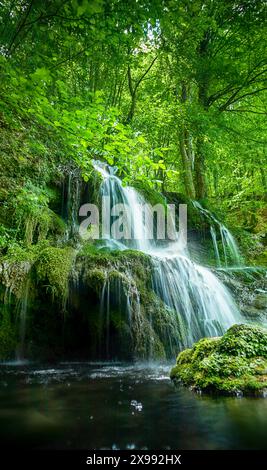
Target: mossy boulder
(235,364)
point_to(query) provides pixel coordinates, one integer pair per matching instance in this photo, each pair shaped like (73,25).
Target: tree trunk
(203,86)
(132,108)
(199,169)
(187,165)
(186,151)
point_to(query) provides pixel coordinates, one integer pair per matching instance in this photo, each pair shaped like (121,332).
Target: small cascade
(215,246)
(229,246)
(230,252)
(16,280)
(120,302)
(105,314)
(23,320)
(194,296)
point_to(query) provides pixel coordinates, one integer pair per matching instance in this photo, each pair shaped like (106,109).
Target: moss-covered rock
(53,268)
(13,275)
(110,309)
(236,363)
(124,265)
(151,195)
(119,285)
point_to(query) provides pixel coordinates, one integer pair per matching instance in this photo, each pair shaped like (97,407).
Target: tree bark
(199,170)
(187,165)
(186,152)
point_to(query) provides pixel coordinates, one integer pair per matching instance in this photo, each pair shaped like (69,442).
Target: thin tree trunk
(186,151)
(199,170)
(187,166)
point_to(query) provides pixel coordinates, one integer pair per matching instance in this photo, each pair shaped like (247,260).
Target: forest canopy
(172,92)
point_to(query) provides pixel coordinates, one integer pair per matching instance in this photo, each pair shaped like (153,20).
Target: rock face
(235,364)
(86,303)
(249,288)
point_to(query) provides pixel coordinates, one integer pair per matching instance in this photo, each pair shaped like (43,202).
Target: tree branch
(145,73)
(245,111)
(236,98)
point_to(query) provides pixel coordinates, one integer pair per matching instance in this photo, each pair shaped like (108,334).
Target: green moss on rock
(53,268)
(244,340)
(130,263)
(236,363)
(185,356)
(124,278)
(151,195)
(95,279)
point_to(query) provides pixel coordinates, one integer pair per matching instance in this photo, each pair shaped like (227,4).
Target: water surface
(120,406)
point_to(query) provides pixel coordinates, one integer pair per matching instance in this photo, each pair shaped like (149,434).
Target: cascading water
(197,295)
(229,246)
(190,291)
(230,251)
(23,319)
(112,189)
(215,246)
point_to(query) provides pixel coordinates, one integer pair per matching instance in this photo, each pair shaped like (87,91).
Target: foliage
(172,94)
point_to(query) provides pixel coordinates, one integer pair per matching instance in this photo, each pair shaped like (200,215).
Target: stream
(82,405)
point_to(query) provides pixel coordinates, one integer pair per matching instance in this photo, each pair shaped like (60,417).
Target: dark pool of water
(105,406)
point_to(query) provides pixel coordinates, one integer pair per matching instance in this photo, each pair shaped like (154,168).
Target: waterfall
(206,306)
(230,251)
(190,291)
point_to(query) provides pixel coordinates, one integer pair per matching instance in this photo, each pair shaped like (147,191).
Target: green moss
(95,279)
(92,250)
(13,274)
(53,268)
(260,259)
(95,180)
(224,365)
(175,372)
(235,363)
(151,195)
(146,342)
(130,263)
(204,347)
(18,252)
(185,356)
(244,340)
